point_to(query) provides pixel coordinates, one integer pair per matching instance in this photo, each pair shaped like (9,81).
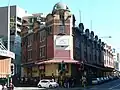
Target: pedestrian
(84,81)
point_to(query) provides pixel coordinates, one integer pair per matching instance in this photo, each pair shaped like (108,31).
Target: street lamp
(8,25)
(8,45)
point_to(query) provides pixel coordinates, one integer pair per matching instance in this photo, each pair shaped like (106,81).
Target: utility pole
(8,26)
(91,25)
(8,43)
(80,15)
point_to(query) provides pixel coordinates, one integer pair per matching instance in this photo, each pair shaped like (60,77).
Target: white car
(1,87)
(46,83)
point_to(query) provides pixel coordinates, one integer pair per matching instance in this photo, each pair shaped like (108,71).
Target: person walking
(84,81)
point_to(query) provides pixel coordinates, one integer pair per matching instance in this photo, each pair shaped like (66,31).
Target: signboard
(7,54)
(62,42)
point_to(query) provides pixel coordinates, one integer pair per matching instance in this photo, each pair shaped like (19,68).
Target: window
(44,81)
(12,32)
(12,25)
(19,26)
(30,54)
(12,19)
(19,19)
(42,51)
(31,20)
(49,30)
(61,29)
(42,36)
(29,41)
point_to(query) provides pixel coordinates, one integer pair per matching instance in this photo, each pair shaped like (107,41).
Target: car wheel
(39,86)
(50,86)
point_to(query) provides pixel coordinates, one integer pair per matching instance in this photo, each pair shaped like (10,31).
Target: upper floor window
(42,51)
(19,19)
(42,35)
(61,29)
(29,41)
(49,30)
(30,54)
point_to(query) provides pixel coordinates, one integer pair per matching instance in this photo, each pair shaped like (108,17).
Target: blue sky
(105,14)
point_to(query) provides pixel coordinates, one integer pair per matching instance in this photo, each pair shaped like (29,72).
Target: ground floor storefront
(45,70)
(74,70)
(50,69)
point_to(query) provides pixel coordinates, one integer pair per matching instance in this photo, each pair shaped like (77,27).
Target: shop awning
(94,66)
(29,64)
(3,75)
(5,65)
(58,61)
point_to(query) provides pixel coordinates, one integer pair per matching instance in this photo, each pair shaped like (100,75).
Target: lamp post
(8,43)
(8,26)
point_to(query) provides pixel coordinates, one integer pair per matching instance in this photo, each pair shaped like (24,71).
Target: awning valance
(58,61)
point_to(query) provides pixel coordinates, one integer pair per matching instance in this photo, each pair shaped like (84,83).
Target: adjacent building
(116,58)
(96,58)
(16,14)
(108,59)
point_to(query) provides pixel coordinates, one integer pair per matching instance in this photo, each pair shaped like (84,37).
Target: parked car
(46,83)
(108,78)
(95,81)
(1,87)
(111,78)
(102,80)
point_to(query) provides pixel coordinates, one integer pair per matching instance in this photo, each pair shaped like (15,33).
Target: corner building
(48,45)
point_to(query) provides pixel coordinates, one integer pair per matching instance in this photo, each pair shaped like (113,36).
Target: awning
(3,75)
(29,64)
(93,66)
(5,65)
(57,61)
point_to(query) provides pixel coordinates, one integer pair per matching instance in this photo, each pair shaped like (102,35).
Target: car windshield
(44,81)
(51,81)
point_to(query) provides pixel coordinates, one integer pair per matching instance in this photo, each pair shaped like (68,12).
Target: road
(112,85)
(28,88)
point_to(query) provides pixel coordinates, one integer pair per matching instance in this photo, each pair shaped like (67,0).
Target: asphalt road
(112,85)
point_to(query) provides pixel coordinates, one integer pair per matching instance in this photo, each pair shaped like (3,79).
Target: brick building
(55,39)
(46,45)
(92,52)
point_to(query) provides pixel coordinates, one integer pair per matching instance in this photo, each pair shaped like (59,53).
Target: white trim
(7,54)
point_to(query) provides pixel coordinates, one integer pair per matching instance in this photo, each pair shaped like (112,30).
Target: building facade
(49,41)
(49,44)
(116,58)
(97,60)
(16,15)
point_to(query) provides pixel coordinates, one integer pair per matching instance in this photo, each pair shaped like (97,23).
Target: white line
(114,86)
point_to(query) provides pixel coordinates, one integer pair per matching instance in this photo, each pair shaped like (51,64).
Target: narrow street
(113,85)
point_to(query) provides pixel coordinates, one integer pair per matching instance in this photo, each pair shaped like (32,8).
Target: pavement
(112,85)
(28,88)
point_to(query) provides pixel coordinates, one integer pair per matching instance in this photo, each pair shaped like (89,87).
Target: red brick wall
(50,46)
(62,54)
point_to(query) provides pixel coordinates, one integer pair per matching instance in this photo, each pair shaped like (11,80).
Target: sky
(105,14)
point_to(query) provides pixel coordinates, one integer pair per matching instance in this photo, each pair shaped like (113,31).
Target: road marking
(114,86)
